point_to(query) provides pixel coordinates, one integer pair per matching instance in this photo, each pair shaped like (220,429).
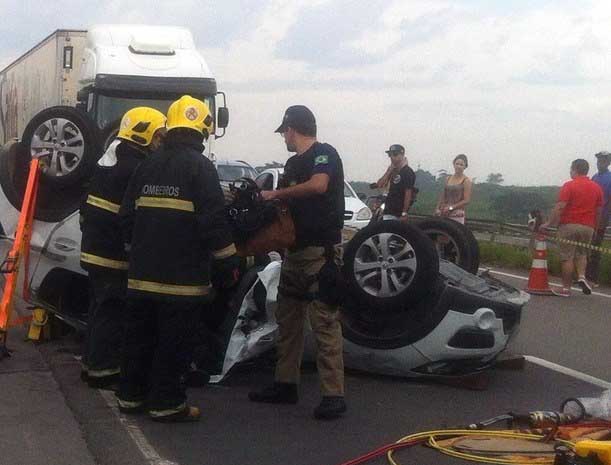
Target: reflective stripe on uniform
(164,202)
(167,412)
(105,262)
(103,373)
(129,403)
(170,289)
(103,204)
(225,252)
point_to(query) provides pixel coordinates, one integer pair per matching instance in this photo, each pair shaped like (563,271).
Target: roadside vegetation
(520,258)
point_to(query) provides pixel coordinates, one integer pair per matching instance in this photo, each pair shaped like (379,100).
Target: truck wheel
(454,242)
(66,141)
(53,203)
(390,264)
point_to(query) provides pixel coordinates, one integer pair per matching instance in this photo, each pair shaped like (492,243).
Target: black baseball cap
(300,118)
(603,154)
(396,148)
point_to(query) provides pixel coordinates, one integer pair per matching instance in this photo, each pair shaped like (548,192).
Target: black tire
(460,246)
(367,327)
(70,140)
(53,203)
(385,284)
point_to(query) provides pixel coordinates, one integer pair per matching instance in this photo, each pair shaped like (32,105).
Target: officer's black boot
(330,407)
(278,393)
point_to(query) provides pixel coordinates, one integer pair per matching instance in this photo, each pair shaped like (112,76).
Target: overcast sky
(522,87)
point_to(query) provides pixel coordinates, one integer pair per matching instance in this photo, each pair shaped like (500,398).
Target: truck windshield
(110,110)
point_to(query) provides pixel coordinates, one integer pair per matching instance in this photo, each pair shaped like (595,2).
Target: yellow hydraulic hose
(433,435)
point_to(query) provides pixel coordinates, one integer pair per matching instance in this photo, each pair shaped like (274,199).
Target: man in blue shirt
(603,179)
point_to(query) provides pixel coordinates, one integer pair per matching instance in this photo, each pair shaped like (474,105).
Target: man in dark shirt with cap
(314,180)
(400,179)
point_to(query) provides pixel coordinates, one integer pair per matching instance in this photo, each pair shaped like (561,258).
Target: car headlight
(363,214)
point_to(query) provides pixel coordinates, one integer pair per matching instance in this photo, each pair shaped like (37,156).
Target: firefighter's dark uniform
(318,223)
(174,213)
(103,255)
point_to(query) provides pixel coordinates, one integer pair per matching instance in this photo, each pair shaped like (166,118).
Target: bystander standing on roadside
(603,179)
(401,180)
(577,213)
(456,193)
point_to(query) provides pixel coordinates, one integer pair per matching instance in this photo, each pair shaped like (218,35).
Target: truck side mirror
(222,120)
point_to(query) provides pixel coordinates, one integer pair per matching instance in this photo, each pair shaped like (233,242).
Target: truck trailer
(44,76)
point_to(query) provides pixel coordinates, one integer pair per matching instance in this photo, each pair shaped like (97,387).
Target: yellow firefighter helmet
(189,112)
(139,125)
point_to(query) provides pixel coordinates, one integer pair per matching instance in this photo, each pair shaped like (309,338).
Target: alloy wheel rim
(60,145)
(385,265)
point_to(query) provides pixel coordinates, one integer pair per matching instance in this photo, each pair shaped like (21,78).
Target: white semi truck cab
(124,66)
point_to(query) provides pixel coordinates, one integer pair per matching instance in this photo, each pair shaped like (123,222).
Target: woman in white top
(456,193)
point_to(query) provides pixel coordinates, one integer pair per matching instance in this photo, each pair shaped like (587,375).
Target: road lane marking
(134,431)
(523,278)
(568,371)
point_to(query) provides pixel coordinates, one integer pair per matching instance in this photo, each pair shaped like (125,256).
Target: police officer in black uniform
(400,180)
(314,188)
(102,249)
(174,216)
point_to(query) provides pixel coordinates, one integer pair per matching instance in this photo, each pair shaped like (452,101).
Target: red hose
(382,450)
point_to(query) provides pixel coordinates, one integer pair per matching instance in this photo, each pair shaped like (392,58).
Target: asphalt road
(570,332)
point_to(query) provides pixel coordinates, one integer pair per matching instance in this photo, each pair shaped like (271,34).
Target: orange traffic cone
(537,279)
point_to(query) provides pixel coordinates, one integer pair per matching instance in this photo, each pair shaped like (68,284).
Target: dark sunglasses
(394,154)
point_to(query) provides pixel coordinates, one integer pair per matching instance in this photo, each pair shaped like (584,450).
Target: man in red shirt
(577,213)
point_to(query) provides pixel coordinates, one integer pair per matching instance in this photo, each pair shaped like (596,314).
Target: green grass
(492,253)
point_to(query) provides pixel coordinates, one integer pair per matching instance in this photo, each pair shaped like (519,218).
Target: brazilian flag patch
(321,160)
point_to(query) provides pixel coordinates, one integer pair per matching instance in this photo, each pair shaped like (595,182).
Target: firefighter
(102,248)
(174,215)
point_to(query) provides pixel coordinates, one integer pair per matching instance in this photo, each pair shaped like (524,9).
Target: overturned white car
(406,311)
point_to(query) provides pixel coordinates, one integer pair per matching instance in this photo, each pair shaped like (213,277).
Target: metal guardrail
(502,229)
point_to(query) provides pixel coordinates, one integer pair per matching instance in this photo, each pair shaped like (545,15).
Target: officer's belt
(105,262)
(167,289)
(103,204)
(164,202)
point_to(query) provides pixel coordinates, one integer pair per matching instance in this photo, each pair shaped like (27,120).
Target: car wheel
(66,141)
(454,242)
(53,203)
(390,264)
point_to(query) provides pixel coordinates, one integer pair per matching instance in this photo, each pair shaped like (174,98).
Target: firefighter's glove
(226,272)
